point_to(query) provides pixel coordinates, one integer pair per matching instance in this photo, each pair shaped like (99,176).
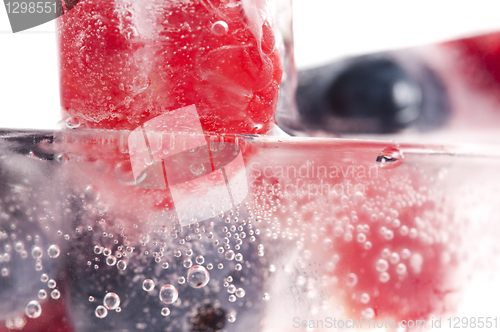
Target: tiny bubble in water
(165,311)
(101,311)
(55,294)
(121,265)
(187,263)
(219,28)
(198,276)
(33,309)
(51,283)
(240,292)
(111,301)
(168,294)
(72,122)
(42,294)
(148,285)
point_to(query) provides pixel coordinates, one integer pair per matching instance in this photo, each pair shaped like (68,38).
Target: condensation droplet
(390,158)
(168,294)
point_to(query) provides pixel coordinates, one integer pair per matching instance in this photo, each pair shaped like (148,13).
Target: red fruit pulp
(123,63)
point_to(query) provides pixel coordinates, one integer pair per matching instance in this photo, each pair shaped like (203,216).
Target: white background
(324,30)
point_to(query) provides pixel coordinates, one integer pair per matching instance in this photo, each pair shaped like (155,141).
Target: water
(133,264)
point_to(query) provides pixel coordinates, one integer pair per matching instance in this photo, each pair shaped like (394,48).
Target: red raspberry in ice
(125,63)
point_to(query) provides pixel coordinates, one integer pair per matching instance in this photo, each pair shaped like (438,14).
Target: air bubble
(54,251)
(394,258)
(42,294)
(72,122)
(266,297)
(365,298)
(232,298)
(405,254)
(352,280)
(231,289)
(198,276)
(384,277)
(401,269)
(181,280)
(240,292)
(187,263)
(44,277)
(111,301)
(168,294)
(148,285)
(165,311)
(200,259)
(33,309)
(98,249)
(101,311)
(55,294)
(52,283)
(368,313)
(382,265)
(390,158)
(361,237)
(121,265)
(36,252)
(111,260)
(219,28)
